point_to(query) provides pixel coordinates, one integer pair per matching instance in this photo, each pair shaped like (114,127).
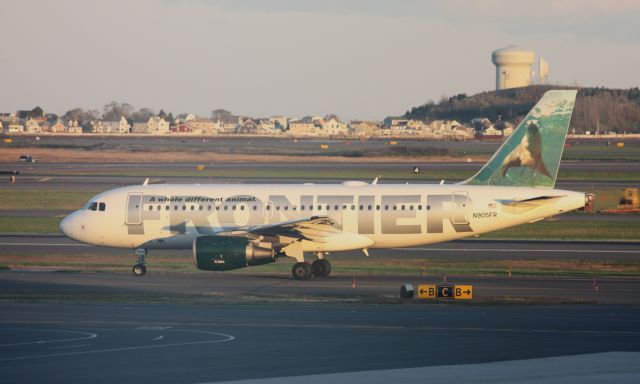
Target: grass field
(426,174)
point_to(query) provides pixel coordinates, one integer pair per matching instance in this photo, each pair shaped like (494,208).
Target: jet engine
(223,253)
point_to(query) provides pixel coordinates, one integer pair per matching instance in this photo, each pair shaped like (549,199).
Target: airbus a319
(236,226)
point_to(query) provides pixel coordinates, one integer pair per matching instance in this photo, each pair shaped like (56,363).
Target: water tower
(513,67)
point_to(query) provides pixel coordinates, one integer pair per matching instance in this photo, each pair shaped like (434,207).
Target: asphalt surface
(34,244)
(170,343)
(105,176)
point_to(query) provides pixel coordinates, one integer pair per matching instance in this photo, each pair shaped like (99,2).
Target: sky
(359,59)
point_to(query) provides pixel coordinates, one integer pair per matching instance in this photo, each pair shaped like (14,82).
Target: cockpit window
(93,206)
(102,206)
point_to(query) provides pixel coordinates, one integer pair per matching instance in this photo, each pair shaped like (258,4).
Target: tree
(37,112)
(220,114)
(80,115)
(114,111)
(142,115)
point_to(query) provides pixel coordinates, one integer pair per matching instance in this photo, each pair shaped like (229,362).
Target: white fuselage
(171,216)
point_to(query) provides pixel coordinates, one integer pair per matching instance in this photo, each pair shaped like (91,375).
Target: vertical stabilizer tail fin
(531,155)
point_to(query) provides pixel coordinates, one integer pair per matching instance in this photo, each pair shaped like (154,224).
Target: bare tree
(114,111)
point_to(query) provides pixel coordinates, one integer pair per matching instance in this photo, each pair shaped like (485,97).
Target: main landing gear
(304,270)
(140,269)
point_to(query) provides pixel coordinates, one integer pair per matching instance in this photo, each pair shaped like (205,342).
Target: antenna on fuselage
(146,182)
(375,181)
(442,182)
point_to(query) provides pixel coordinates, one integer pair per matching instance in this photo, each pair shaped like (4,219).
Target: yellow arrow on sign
(463,292)
(426,291)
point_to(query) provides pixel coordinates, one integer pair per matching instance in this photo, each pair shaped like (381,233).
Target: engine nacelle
(223,253)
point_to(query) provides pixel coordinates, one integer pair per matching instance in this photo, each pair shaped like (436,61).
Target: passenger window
(233,207)
(208,207)
(242,207)
(175,207)
(151,207)
(255,207)
(226,207)
(377,207)
(268,207)
(93,206)
(184,207)
(402,207)
(344,206)
(319,207)
(200,208)
(411,207)
(102,207)
(386,207)
(362,207)
(428,207)
(328,207)
(336,207)
(353,207)
(369,207)
(286,207)
(159,207)
(167,207)
(302,207)
(419,207)
(192,207)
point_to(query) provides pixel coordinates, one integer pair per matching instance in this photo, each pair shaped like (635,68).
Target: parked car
(28,159)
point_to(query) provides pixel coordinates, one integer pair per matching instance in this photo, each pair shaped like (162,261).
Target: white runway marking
(518,250)
(158,338)
(224,338)
(88,336)
(49,244)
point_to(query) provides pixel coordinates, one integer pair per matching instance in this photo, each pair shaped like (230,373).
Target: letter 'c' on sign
(445,292)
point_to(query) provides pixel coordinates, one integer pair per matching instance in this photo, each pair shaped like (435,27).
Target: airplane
(235,226)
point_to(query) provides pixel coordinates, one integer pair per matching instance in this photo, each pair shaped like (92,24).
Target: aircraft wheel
(302,271)
(139,270)
(321,268)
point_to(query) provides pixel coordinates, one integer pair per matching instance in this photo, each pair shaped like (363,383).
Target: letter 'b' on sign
(463,292)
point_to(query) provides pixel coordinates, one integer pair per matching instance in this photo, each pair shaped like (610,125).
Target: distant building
(104,127)
(364,128)
(302,128)
(334,127)
(32,126)
(139,127)
(157,126)
(201,126)
(15,127)
(58,127)
(73,126)
(280,122)
(248,126)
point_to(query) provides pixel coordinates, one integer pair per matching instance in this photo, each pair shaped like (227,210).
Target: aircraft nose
(66,226)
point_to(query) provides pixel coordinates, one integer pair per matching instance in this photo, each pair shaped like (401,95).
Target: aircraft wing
(311,234)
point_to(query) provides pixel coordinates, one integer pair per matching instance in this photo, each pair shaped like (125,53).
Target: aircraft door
(461,208)
(134,209)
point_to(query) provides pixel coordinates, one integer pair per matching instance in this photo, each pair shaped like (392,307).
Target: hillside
(612,109)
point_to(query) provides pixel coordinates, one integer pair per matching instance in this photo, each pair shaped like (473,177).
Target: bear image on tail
(527,154)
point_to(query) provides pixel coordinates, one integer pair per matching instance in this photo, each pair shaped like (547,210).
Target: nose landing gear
(140,269)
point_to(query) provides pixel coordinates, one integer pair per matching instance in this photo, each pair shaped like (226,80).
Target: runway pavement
(106,175)
(174,343)
(34,244)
